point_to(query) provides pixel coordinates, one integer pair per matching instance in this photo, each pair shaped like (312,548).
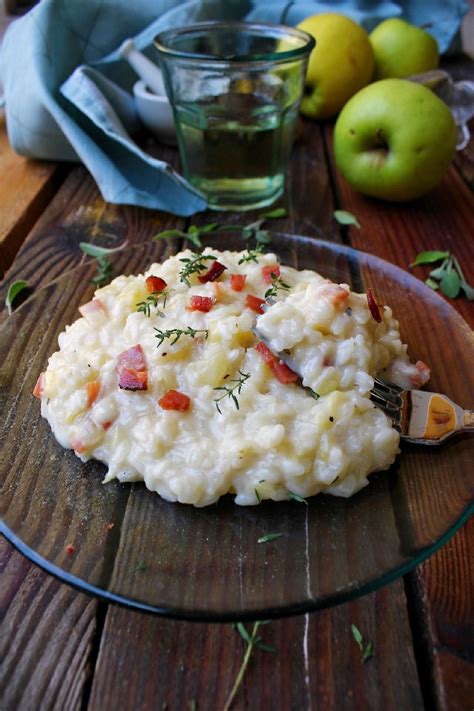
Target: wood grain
(144,659)
(316,665)
(444,583)
(47,632)
(26,187)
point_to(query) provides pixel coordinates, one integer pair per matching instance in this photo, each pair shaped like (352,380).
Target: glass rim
(160,42)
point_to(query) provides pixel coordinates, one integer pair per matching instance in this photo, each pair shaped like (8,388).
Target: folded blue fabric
(68,93)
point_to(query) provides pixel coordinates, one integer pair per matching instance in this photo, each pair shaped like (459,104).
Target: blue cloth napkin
(69,94)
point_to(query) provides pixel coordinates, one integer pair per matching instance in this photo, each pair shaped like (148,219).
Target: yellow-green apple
(341,63)
(401,49)
(394,140)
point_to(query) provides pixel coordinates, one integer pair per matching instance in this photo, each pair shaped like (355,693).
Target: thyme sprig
(193,235)
(253,641)
(251,231)
(277,284)
(194,265)
(367,650)
(251,255)
(231,391)
(448,277)
(101,254)
(176,333)
(153,301)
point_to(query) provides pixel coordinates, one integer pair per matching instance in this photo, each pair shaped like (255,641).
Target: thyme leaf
(277,284)
(104,271)
(253,641)
(13,291)
(193,234)
(269,537)
(152,301)
(297,497)
(346,218)
(367,650)
(230,391)
(193,265)
(176,333)
(251,255)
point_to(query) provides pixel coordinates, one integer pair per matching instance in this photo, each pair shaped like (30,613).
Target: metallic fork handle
(468,420)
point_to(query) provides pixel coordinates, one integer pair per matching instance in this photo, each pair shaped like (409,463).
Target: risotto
(164,380)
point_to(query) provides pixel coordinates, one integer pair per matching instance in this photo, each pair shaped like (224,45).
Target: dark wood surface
(63,649)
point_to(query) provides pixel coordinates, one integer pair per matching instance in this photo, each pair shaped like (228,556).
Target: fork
(420,416)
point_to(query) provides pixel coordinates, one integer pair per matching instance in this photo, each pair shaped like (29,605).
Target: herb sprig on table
(251,231)
(448,277)
(13,290)
(254,641)
(367,649)
(101,254)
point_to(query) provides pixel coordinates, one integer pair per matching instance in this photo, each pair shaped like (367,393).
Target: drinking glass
(235,89)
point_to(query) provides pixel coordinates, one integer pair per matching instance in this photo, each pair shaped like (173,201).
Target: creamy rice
(282,439)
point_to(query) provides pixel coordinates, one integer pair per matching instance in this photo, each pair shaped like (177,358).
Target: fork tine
(391,388)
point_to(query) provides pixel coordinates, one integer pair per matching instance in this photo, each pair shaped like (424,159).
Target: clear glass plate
(129,546)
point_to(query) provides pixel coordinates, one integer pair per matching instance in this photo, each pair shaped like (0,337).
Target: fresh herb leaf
(258,497)
(269,537)
(251,255)
(367,650)
(275,214)
(438,273)
(468,290)
(253,641)
(277,284)
(13,290)
(176,333)
(262,237)
(357,636)
(193,234)
(448,277)
(104,268)
(432,284)
(346,218)
(193,265)
(230,391)
(450,284)
(429,258)
(297,497)
(104,271)
(153,301)
(93,250)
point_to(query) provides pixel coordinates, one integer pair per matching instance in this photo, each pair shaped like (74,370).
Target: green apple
(341,63)
(401,49)
(394,140)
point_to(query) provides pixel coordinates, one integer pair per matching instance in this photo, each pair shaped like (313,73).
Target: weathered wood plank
(444,583)
(26,187)
(47,632)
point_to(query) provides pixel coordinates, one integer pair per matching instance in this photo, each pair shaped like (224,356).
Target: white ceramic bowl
(155,112)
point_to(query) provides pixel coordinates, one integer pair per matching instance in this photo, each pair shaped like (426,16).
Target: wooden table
(62,649)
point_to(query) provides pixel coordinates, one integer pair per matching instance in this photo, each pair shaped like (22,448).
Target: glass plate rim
(215,616)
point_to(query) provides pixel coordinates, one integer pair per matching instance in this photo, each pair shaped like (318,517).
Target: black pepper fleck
(331,419)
